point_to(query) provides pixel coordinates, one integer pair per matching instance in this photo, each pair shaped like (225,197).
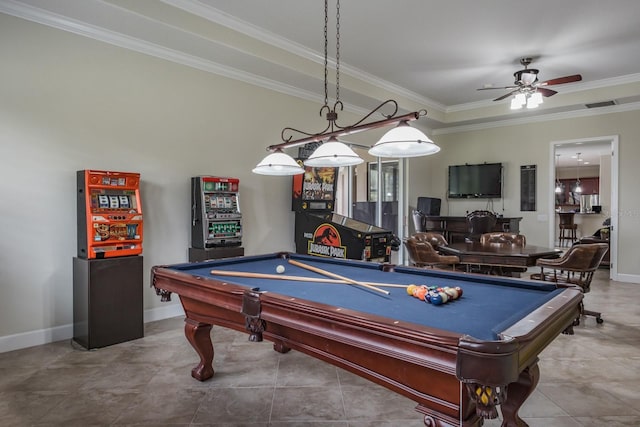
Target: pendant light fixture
(402,141)
(278,163)
(332,153)
(578,188)
(558,186)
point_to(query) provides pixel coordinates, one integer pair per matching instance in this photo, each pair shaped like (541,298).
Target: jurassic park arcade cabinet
(108,271)
(320,232)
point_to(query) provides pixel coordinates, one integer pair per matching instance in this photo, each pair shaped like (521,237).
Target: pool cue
(296,278)
(336,276)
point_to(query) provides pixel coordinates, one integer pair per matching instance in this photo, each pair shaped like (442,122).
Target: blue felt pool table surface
(488,306)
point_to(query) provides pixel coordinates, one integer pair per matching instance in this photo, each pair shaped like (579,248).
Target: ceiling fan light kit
(527,89)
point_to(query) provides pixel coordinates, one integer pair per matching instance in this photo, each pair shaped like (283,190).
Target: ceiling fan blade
(546,92)
(561,80)
(497,87)
(507,95)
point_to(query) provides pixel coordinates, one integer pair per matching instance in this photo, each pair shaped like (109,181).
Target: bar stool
(568,228)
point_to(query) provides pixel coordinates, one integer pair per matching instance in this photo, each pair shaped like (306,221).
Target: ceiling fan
(526,83)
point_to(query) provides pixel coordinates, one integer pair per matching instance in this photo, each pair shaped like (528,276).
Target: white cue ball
(280,269)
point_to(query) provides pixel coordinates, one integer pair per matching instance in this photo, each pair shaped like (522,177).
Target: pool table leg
(199,335)
(517,393)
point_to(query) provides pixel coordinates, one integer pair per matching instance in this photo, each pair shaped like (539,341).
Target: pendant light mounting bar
(359,126)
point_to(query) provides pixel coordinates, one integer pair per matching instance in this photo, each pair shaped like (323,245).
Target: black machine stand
(107,301)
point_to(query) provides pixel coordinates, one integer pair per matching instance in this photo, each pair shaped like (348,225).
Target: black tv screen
(475,181)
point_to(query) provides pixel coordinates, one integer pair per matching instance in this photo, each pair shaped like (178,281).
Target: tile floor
(589,379)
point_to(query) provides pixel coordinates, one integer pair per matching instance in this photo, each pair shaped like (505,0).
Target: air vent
(600,104)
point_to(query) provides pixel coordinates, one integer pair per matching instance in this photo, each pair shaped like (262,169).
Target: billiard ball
(280,269)
(410,289)
(444,296)
(420,293)
(436,299)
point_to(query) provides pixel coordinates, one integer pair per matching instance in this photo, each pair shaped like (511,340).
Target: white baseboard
(65,332)
(165,312)
(628,278)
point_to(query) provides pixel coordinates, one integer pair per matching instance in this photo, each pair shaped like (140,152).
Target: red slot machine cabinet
(216,221)
(110,220)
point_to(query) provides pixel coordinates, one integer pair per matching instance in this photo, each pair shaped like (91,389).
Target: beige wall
(531,144)
(69,103)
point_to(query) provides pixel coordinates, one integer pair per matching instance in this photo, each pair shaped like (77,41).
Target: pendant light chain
(337,51)
(326,52)
(401,141)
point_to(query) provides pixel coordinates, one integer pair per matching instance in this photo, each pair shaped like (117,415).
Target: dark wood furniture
(568,198)
(458,361)
(422,252)
(107,301)
(606,260)
(475,253)
(479,223)
(568,228)
(502,238)
(198,254)
(575,267)
(456,228)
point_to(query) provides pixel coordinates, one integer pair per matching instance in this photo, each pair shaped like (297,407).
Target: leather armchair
(575,267)
(503,238)
(435,239)
(423,254)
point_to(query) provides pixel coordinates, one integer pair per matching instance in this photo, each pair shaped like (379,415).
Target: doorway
(607,148)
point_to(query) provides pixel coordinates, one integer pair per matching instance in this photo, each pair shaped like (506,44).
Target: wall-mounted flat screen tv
(482,181)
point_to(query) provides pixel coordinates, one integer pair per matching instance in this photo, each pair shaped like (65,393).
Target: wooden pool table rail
(440,370)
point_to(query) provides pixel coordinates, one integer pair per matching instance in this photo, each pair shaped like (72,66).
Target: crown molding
(574,87)
(632,106)
(214,15)
(51,19)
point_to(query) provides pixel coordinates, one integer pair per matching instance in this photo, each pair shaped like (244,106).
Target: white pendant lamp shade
(278,163)
(404,141)
(332,154)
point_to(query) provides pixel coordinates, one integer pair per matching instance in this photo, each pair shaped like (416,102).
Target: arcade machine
(320,232)
(216,221)
(107,272)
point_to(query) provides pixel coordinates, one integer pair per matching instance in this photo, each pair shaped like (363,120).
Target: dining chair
(575,267)
(423,254)
(503,238)
(431,237)
(480,222)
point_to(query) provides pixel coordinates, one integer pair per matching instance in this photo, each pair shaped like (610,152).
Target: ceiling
(426,54)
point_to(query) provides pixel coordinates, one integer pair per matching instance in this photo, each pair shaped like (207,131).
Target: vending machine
(109,214)
(216,220)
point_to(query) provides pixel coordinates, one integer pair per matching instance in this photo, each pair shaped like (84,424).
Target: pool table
(459,361)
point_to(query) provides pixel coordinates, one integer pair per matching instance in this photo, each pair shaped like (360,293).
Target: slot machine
(109,214)
(216,220)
